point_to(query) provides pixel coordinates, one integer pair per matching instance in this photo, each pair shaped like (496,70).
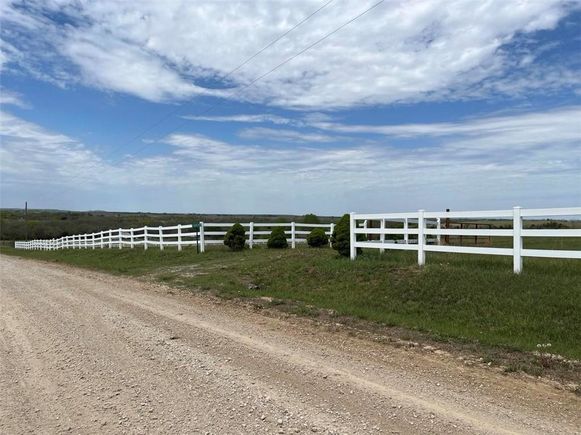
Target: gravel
(85,352)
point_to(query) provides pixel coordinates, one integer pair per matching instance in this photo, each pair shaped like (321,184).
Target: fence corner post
(293,236)
(421,239)
(179,237)
(517,244)
(120,238)
(251,236)
(131,239)
(145,238)
(352,238)
(160,229)
(202,238)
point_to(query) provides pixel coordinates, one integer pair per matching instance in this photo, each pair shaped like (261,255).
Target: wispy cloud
(242,118)
(285,135)
(512,131)
(11,98)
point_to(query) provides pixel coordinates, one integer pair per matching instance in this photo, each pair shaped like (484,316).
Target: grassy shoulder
(461,298)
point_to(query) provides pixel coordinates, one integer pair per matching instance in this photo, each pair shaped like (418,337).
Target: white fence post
(406,226)
(160,229)
(131,239)
(421,239)
(352,238)
(110,239)
(251,237)
(102,239)
(517,243)
(331,230)
(179,237)
(202,238)
(120,238)
(382,235)
(293,236)
(439,227)
(93,241)
(145,238)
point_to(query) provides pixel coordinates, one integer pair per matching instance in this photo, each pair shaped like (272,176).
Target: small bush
(277,239)
(340,240)
(235,238)
(311,218)
(317,238)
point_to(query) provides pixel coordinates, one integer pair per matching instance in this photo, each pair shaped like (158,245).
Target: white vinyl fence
(199,234)
(425,229)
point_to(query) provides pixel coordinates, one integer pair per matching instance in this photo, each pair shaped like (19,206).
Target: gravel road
(85,352)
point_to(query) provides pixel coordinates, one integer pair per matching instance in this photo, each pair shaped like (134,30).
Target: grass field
(467,298)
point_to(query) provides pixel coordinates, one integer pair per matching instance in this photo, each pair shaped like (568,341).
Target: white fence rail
(200,234)
(426,230)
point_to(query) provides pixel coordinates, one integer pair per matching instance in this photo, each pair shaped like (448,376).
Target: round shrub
(277,239)
(317,238)
(235,238)
(340,240)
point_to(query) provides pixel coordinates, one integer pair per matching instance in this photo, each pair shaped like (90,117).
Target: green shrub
(235,238)
(340,240)
(311,218)
(277,239)
(317,238)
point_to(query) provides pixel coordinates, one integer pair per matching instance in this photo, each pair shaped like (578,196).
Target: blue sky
(133,106)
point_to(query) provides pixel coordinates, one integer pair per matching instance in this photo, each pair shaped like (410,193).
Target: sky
(295,107)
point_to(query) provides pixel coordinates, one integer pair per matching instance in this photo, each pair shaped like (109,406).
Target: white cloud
(512,132)
(8,97)
(255,118)
(408,51)
(285,135)
(114,65)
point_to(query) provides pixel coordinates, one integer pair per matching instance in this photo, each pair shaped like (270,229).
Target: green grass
(468,298)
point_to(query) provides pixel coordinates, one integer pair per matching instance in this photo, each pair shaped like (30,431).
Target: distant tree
(235,237)
(317,238)
(311,218)
(277,239)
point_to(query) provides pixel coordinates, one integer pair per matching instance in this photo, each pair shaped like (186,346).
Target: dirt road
(84,352)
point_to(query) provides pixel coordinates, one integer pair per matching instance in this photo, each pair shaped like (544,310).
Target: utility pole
(26,219)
